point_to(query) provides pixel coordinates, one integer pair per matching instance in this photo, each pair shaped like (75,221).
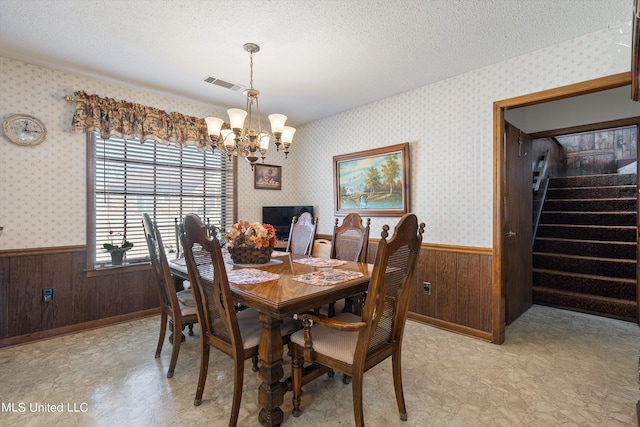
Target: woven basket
(243,255)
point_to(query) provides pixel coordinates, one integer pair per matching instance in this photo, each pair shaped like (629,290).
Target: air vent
(223,83)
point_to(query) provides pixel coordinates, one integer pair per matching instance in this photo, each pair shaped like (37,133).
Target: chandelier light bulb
(228,140)
(287,138)
(287,135)
(277,123)
(236,118)
(214,125)
(264,141)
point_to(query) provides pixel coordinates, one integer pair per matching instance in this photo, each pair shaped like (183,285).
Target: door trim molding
(499,107)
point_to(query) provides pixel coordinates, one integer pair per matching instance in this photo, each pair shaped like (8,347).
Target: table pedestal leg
(270,372)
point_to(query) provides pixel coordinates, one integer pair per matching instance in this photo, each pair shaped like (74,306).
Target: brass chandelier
(245,139)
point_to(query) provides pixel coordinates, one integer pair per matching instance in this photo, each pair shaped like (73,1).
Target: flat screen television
(281,216)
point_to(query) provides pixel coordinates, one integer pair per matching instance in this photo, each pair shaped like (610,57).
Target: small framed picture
(267,177)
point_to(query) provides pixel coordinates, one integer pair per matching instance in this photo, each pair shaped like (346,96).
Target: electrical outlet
(426,287)
(47,295)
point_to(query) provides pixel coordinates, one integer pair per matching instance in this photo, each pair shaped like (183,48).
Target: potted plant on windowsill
(117,251)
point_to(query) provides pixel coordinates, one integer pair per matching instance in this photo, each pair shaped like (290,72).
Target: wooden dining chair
(235,334)
(354,344)
(349,242)
(178,307)
(177,224)
(302,234)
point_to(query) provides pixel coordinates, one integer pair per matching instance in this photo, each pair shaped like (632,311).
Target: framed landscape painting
(373,182)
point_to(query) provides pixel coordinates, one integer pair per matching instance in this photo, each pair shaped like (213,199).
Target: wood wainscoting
(459,279)
(459,282)
(81,299)
(459,299)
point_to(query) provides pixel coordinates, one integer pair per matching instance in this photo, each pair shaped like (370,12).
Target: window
(165,181)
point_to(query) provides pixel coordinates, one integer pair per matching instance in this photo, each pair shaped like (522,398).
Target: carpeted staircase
(584,255)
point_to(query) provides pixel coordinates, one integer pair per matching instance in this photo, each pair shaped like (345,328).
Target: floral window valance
(127,120)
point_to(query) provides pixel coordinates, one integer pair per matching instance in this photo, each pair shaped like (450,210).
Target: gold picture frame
(373,182)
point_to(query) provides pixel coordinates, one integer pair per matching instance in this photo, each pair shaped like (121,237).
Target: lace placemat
(278,253)
(320,262)
(328,277)
(251,276)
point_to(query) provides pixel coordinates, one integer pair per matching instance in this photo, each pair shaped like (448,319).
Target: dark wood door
(518,224)
(636,144)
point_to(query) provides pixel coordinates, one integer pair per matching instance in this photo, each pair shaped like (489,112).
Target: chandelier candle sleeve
(245,138)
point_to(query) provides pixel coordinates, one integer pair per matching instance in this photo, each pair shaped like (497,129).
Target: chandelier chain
(251,69)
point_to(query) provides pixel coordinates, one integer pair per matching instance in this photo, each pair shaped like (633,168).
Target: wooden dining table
(275,300)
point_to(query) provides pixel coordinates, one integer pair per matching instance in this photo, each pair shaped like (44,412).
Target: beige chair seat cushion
(188,311)
(250,328)
(185,297)
(187,303)
(339,345)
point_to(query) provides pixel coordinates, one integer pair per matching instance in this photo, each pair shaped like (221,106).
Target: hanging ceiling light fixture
(243,139)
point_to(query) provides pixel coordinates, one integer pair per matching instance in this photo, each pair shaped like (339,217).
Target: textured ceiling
(317,58)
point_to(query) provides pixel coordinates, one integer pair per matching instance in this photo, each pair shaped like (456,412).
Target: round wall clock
(23,129)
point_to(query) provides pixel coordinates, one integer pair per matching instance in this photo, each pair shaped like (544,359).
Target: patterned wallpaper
(42,190)
(449,127)
(448,123)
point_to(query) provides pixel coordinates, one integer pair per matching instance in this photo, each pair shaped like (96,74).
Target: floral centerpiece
(251,243)
(117,251)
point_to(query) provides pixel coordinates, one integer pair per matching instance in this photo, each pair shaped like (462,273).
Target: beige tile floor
(556,368)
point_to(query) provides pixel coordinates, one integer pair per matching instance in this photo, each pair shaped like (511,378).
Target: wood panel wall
(557,160)
(460,281)
(599,152)
(460,298)
(80,299)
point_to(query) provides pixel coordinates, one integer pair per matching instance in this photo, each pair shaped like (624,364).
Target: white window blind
(165,181)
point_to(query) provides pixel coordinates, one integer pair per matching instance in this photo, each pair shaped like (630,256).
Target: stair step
(602,306)
(592,192)
(592,205)
(593,180)
(621,268)
(589,218)
(586,284)
(588,232)
(590,248)
(585,251)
